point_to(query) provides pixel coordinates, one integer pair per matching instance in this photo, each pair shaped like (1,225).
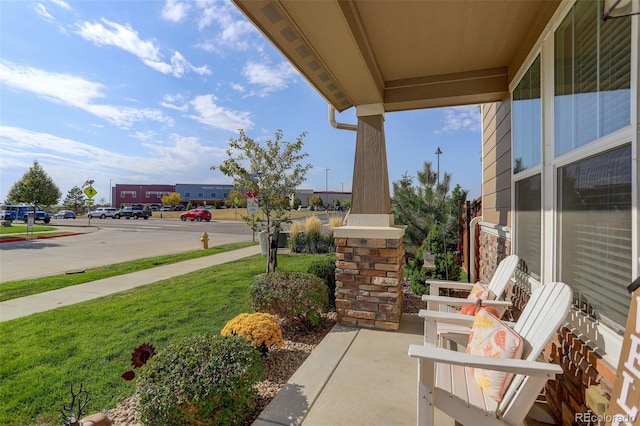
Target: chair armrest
(446,317)
(438,284)
(515,366)
(457,301)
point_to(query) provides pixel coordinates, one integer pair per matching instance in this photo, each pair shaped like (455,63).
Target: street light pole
(326,181)
(438,152)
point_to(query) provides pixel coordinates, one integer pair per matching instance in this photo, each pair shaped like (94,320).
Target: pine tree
(75,200)
(430,213)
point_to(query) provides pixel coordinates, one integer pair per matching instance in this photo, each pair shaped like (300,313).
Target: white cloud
(175,11)
(165,161)
(127,39)
(233,30)
(215,116)
(238,87)
(42,11)
(61,3)
(269,78)
(176,102)
(73,91)
(461,118)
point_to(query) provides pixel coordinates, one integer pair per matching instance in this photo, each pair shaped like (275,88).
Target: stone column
(370,249)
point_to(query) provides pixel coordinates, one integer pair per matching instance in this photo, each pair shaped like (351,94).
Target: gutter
(472,247)
(335,124)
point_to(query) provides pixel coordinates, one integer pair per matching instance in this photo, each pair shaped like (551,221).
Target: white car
(103,212)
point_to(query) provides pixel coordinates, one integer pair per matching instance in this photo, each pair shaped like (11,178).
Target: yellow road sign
(90,191)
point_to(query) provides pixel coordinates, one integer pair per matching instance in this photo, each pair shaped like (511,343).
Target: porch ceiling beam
(490,84)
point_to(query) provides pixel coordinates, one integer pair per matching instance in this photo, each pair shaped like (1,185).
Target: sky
(150,92)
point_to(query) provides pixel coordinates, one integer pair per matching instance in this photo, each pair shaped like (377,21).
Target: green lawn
(17,229)
(20,288)
(42,355)
(20,231)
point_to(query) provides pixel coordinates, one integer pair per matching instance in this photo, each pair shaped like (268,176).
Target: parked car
(196,214)
(179,207)
(303,208)
(166,209)
(5,215)
(132,212)
(22,212)
(103,212)
(64,214)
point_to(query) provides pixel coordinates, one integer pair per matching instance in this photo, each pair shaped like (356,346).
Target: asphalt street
(110,242)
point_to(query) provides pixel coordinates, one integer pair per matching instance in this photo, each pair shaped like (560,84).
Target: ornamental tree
(35,187)
(270,171)
(172,199)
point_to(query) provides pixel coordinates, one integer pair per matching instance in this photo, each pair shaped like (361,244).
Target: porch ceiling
(404,54)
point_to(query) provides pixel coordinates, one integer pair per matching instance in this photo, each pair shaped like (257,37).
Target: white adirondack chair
(445,382)
(498,283)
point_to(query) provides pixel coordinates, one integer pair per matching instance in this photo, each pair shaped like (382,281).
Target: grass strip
(22,229)
(20,288)
(43,355)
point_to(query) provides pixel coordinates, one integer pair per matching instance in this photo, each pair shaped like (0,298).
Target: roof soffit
(407,55)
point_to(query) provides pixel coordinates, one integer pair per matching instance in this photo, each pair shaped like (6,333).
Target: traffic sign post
(252,206)
(90,191)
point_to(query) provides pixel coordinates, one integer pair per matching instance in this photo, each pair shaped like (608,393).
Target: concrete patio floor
(355,376)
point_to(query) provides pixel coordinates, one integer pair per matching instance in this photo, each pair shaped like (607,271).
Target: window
(527,120)
(573,203)
(592,76)
(213,195)
(132,194)
(594,221)
(200,194)
(528,217)
(527,155)
(187,195)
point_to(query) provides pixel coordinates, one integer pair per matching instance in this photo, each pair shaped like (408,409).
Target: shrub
(203,380)
(292,296)
(325,269)
(312,225)
(296,228)
(261,329)
(335,222)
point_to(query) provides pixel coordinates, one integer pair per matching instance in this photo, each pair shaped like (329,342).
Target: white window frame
(606,341)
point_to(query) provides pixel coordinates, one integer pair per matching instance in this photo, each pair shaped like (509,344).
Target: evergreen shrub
(291,296)
(202,380)
(325,269)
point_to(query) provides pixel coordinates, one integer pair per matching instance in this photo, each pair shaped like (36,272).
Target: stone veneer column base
(369,269)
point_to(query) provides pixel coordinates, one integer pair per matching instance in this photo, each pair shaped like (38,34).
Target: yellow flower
(259,328)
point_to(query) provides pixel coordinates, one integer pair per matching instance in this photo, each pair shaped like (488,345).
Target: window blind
(595,233)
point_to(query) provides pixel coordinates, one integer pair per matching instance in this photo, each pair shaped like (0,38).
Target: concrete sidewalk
(28,305)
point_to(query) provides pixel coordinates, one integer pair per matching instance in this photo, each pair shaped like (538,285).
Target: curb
(40,237)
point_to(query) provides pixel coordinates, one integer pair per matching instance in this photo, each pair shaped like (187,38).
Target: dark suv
(132,212)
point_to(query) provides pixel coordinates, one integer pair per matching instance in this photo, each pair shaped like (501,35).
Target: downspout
(335,124)
(472,249)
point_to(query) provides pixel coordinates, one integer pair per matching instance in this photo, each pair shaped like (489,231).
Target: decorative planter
(429,260)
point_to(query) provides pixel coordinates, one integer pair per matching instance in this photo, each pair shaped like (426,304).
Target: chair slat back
(543,314)
(503,274)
